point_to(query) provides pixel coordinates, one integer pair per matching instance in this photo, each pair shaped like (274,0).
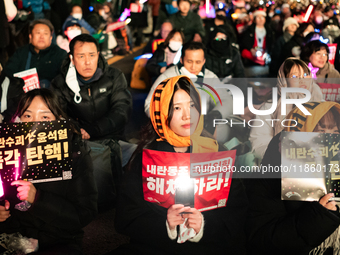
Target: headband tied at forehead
(159,109)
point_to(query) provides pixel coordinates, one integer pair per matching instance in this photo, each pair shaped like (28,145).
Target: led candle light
(2,193)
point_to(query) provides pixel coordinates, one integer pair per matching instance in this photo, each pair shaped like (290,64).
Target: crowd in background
(68,49)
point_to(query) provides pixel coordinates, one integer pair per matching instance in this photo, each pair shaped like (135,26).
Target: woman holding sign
(293,73)
(48,216)
(295,227)
(176,126)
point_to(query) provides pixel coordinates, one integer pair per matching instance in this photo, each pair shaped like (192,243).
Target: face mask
(220,17)
(220,46)
(73,33)
(318,19)
(77,15)
(271,14)
(174,45)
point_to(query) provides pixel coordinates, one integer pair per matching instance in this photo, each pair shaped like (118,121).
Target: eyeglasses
(305,75)
(319,54)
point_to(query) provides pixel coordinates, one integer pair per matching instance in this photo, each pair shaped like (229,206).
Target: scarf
(316,95)
(260,34)
(159,108)
(307,124)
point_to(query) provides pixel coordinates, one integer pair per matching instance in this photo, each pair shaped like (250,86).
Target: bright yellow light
(234,15)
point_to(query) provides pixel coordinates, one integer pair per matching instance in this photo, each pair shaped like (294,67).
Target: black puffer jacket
(106,102)
(222,58)
(47,61)
(61,208)
(277,226)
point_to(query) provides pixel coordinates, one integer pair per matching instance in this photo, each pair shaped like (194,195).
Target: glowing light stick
(308,13)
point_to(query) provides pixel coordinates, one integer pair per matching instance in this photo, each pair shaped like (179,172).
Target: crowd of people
(191,47)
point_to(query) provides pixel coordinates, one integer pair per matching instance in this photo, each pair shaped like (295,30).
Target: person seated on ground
(290,25)
(77,14)
(257,40)
(95,96)
(223,58)
(11,92)
(331,31)
(292,73)
(53,213)
(188,22)
(72,29)
(329,13)
(316,53)
(192,65)
(165,55)
(277,226)
(40,53)
(293,47)
(153,229)
(220,21)
(152,45)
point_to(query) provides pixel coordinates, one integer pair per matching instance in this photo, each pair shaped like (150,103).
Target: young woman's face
(319,58)
(37,111)
(327,124)
(185,116)
(177,38)
(297,78)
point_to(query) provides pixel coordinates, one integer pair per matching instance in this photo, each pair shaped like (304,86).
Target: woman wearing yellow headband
(176,126)
(278,226)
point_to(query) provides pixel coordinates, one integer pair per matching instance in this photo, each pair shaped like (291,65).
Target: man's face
(184,7)
(193,61)
(166,29)
(41,37)
(260,20)
(85,59)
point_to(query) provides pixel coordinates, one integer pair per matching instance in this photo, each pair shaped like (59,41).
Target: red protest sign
(332,51)
(212,173)
(31,79)
(330,92)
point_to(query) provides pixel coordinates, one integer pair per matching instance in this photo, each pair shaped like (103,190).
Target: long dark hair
(148,133)
(49,98)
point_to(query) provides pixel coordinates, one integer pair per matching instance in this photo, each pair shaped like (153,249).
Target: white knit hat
(260,12)
(285,5)
(289,21)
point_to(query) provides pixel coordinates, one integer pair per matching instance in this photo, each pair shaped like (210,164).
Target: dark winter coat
(189,25)
(283,227)
(47,61)
(223,66)
(145,222)
(106,102)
